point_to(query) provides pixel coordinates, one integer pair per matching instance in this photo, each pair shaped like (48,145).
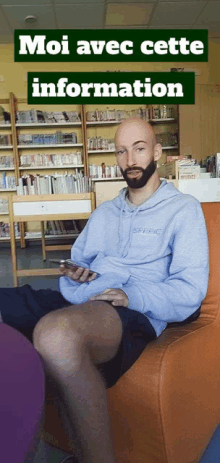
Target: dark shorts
(23,307)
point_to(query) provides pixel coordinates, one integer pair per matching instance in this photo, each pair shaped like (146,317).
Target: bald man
(149,248)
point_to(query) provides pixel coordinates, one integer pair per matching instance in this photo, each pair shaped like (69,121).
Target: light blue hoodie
(157,253)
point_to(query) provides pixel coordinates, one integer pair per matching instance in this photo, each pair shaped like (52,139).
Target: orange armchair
(167,406)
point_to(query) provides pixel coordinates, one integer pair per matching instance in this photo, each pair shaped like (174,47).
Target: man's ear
(157,151)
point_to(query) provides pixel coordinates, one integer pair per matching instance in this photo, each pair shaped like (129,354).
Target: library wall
(198,125)
(199,134)
(18,85)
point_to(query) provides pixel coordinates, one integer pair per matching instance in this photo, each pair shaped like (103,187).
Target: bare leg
(72,341)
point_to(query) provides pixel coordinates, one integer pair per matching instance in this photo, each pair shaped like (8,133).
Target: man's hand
(80,275)
(116,296)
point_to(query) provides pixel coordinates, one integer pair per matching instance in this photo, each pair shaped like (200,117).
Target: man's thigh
(22,307)
(94,325)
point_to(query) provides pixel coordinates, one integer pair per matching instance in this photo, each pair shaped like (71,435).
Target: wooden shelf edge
(38,272)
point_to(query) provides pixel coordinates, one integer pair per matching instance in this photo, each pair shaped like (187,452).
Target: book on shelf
(175,158)
(54,184)
(3,206)
(5,140)
(51,160)
(167,139)
(217,165)
(6,181)
(58,227)
(48,229)
(5,117)
(99,143)
(54,231)
(35,116)
(150,112)
(5,230)
(61,227)
(212,165)
(117,115)
(104,171)
(6,161)
(46,139)
(189,172)
(162,112)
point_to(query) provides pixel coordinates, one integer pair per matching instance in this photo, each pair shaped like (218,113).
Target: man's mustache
(132,169)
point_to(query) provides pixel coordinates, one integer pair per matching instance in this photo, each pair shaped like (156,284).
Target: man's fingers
(91,278)
(117,297)
(80,274)
(118,303)
(106,297)
(102,297)
(84,275)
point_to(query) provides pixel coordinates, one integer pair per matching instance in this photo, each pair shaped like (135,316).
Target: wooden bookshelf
(51,167)
(52,145)
(106,128)
(14,104)
(6,147)
(36,125)
(100,151)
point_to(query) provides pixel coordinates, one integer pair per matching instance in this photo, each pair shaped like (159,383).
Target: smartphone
(68,263)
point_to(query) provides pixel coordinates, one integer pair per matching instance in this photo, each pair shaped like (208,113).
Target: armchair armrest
(167,405)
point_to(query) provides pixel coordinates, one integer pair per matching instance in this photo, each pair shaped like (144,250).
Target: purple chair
(22,393)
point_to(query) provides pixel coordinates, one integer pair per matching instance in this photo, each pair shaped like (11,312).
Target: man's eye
(120,152)
(140,148)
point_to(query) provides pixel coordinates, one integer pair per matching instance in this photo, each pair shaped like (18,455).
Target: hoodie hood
(165,191)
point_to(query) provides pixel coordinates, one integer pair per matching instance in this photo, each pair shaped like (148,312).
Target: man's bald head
(132,125)
(137,151)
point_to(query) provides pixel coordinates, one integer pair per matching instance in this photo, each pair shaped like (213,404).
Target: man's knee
(93,327)
(55,335)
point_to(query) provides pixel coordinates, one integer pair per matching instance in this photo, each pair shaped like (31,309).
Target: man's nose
(130,158)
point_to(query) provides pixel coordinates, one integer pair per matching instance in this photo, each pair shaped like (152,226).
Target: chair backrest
(42,208)
(212,218)
(51,207)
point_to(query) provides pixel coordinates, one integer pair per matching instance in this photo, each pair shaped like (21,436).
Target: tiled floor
(30,258)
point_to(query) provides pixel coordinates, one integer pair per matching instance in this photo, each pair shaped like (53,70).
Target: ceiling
(109,14)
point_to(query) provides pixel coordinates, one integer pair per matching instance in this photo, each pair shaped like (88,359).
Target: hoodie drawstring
(120,230)
(125,250)
(128,244)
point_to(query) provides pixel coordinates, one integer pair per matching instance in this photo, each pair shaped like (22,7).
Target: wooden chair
(53,247)
(45,207)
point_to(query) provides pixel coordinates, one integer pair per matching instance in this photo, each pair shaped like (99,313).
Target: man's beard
(146,175)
